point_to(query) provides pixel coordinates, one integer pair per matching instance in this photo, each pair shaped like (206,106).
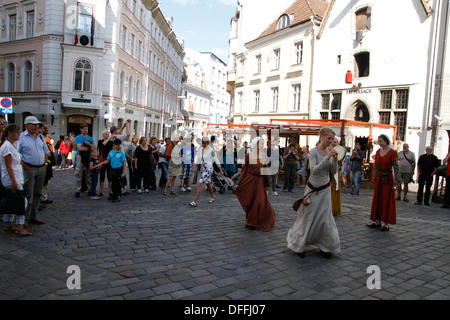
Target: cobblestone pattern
(151,246)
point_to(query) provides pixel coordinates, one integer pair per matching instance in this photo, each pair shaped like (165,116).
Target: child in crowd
(94,167)
(118,162)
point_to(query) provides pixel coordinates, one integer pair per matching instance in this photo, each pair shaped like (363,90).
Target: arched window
(27,76)
(363,19)
(83,75)
(122,85)
(130,89)
(283,22)
(11,83)
(362,64)
(138,92)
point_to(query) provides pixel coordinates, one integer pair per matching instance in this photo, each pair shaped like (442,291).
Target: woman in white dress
(315,225)
(12,175)
(206,156)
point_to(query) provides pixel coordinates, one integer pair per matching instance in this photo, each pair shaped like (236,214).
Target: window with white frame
(133,37)
(139,50)
(82,75)
(30,24)
(273,105)
(149,59)
(275,59)
(256,100)
(240,67)
(122,85)
(11,78)
(27,76)
(239,98)
(12,27)
(124,38)
(85,18)
(138,92)
(283,22)
(130,89)
(298,53)
(295,99)
(258,63)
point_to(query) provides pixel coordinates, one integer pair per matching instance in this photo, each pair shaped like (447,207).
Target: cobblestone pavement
(151,246)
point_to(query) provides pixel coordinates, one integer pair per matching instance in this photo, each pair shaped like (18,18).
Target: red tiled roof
(301,11)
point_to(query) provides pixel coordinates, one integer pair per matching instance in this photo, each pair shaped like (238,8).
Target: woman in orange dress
(251,189)
(385,171)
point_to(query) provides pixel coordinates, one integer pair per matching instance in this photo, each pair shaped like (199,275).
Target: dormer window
(283,22)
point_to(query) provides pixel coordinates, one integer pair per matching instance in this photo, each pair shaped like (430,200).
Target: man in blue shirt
(34,151)
(356,168)
(84,143)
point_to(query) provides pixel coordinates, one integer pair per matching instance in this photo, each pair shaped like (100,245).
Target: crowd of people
(27,159)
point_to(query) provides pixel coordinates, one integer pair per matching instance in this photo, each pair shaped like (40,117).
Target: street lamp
(106,117)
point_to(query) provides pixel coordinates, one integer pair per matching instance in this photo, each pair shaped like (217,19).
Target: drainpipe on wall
(438,111)
(312,64)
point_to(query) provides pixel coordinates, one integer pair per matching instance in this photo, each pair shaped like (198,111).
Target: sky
(204,25)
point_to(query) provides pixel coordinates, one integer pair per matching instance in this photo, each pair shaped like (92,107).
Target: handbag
(13,202)
(383,177)
(100,160)
(152,160)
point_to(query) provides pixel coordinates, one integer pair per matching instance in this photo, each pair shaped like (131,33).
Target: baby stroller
(222,182)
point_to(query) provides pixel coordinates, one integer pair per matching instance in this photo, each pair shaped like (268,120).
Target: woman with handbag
(154,158)
(315,225)
(13,203)
(104,146)
(385,174)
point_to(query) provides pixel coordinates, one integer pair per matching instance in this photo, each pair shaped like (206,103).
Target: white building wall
(215,75)
(283,78)
(440,82)
(398,43)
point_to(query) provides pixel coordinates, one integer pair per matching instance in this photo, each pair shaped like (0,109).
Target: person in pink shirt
(64,148)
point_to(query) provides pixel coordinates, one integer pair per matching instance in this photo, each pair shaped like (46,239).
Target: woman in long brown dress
(385,170)
(251,189)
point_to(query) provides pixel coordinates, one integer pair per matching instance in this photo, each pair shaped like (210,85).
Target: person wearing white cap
(34,153)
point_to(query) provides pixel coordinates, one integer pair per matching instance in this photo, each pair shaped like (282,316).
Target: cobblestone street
(151,246)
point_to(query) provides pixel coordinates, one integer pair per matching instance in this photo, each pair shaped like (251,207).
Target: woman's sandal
(212,200)
(173,192)
(384,228)
(193,204)
(10,229)
(23,233)
(165,194)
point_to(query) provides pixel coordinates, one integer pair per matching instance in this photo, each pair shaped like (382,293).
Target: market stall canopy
(343,127)
(286,130)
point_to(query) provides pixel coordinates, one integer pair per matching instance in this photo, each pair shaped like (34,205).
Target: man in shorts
(188,154)
(407,165)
